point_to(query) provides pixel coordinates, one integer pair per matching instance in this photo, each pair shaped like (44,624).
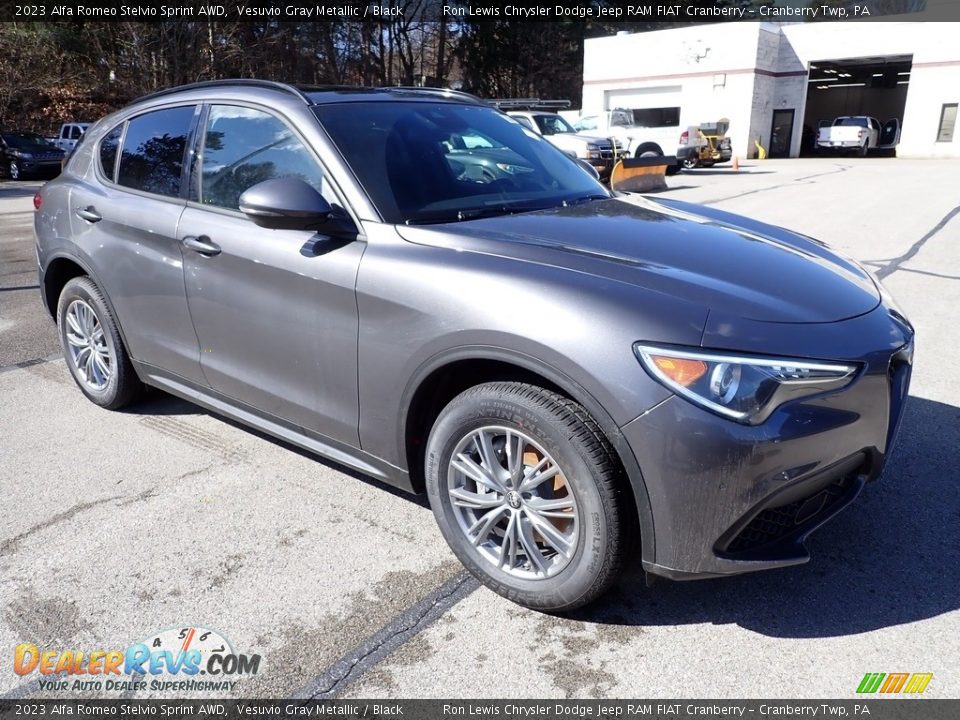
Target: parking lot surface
(117,526)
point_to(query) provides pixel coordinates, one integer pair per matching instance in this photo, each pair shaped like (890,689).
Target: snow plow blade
(641,174)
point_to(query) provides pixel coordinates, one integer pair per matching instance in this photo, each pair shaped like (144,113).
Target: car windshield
(553,125)
(855,121)
(424,162)
(24,140)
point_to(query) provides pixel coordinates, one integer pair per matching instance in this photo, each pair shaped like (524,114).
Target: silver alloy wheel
(90,353)
(14,170)
(513,502)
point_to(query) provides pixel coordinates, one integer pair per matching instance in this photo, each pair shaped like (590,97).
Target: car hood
(578,137)
(37,149)
(727,263)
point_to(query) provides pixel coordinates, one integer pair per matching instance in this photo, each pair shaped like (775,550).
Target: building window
(948,120)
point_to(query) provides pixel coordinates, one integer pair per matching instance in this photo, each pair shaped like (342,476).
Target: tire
(580,477)
(690,163)
(88,332)
(648,151)
(13,170)
(864,149)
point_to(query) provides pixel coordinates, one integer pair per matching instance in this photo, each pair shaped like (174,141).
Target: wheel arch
(61,269)
(446,375)
(647,147)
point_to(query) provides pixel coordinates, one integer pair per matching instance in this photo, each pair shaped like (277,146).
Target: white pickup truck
(858,133)
(600,152)
(639,140)
(70,134)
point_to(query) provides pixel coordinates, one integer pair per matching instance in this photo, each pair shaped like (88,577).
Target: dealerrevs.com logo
(894,683)
(178,659)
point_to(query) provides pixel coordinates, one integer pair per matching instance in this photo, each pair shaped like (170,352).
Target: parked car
(639,140)
(26,154)
(575,379)
(859,134)
(70,134)
(599,152)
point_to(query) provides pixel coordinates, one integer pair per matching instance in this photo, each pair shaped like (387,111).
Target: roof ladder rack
(529,104)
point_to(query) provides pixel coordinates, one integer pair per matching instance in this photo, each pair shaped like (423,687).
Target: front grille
(776,523)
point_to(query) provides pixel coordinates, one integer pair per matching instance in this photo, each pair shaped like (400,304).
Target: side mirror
(289,203)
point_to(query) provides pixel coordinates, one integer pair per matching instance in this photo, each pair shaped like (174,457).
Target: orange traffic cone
(736,163)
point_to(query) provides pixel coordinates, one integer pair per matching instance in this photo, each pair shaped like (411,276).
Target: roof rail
(529,104)
(250,82)
(445,92)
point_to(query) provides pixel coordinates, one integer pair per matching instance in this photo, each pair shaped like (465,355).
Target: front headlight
(742,388)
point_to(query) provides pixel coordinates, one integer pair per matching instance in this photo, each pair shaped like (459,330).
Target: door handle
(202,245)
(88,214)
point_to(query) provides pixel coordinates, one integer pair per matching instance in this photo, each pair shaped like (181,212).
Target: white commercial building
(776,82)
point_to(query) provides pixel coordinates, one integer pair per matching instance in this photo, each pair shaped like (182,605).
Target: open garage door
(875,87)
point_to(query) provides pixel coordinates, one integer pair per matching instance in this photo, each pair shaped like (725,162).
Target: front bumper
(728,498)
(40,167)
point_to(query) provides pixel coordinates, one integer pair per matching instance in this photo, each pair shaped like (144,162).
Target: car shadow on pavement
(158,402)
(890,558)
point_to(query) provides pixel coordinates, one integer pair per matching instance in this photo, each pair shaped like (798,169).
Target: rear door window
(244,146)
(108,151)
(153,149)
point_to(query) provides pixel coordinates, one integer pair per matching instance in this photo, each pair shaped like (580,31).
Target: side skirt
(313,442)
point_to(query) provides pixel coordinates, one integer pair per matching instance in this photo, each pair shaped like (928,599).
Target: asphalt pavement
(115,527)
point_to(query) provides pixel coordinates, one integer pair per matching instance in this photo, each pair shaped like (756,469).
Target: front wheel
(649,150)
(93,347)
(528,494)
(13,170)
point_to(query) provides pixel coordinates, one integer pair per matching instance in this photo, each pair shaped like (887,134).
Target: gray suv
(410,283)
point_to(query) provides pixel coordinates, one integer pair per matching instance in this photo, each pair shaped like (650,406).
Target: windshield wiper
(495,210)
(477,213)
(585,199)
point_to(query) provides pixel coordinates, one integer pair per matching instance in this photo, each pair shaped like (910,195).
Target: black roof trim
(444,92)
(303,91)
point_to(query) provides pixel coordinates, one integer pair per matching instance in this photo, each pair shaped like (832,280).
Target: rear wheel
(93,347)
(528,494)
(648,150)
(862,152)
(689,163)
(13,170)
